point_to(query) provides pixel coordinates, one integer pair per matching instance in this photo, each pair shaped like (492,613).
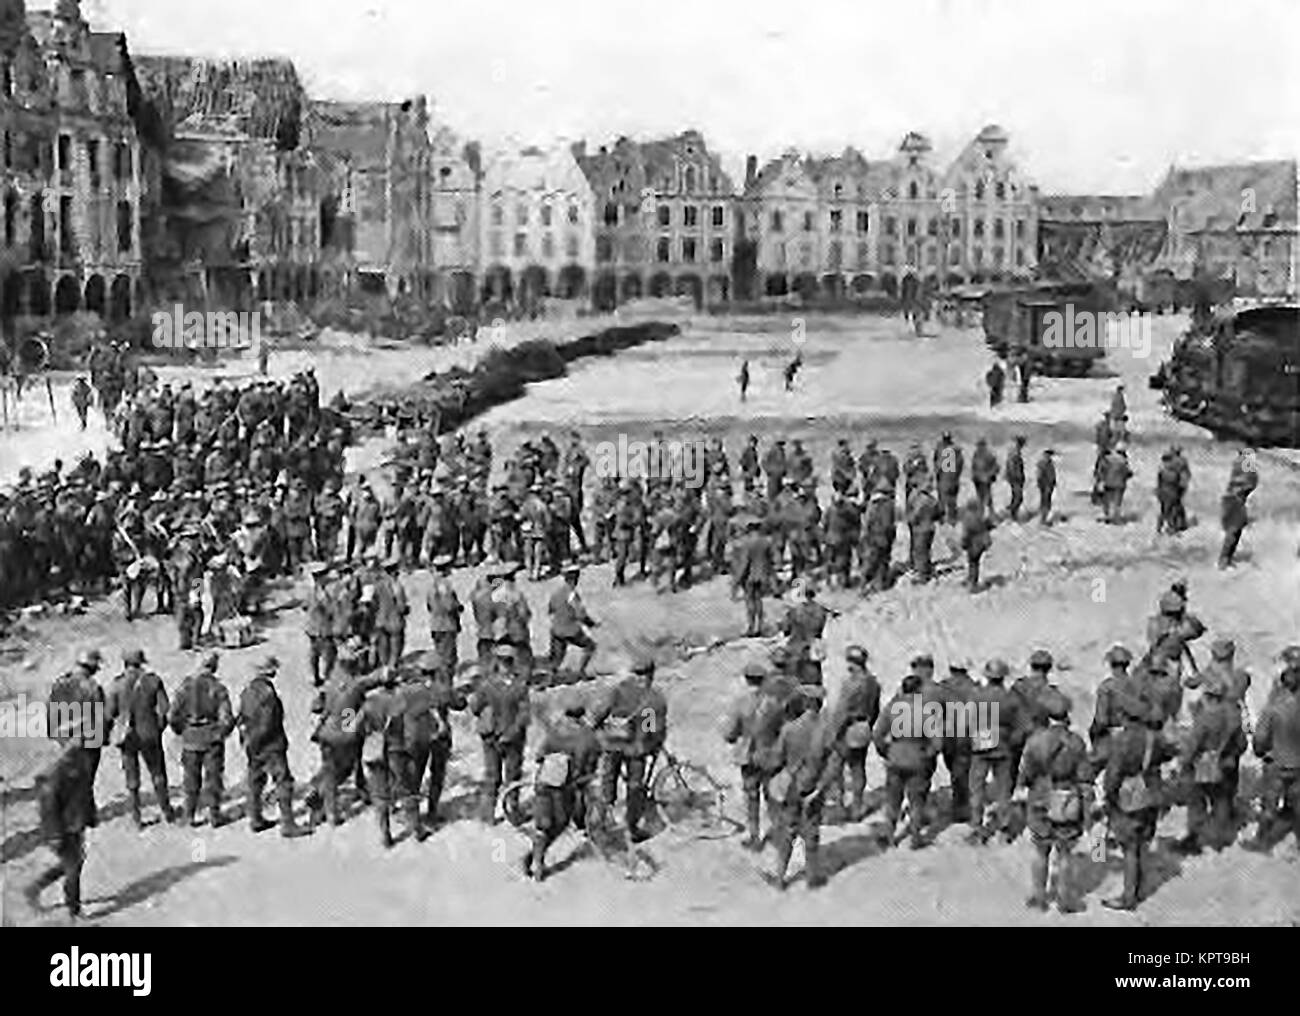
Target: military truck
(1016,323)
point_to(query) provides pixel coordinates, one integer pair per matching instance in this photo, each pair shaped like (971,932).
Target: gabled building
(72,167)
(536,227)
(455,172)
(665,220)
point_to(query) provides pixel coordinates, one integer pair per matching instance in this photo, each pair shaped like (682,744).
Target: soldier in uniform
(804,756)
(909,756)
(632,724)
(323,649)
(1115,474)
(1277,744)
(1028,691)
(138,702)
(65,791)
(991,752)
(1014,472)
(755,571)
(514,618)
(853,720)
(804,625)
(568,618)
(983,472)
(1106,718)
(483,607)
(1212,749)
(202,717)
(266,745)
(1057,775)
(923,513)
(1169,493)
(77,695)
(742,729)
(1171,632)
(1046,478)
(329,512)
(958,689)
(1132,788)
(775,467)
(878,532)
(384,750)
(338,734)
(949,462)
(500,704)
(996,379)
(391,609)
(442,697)
(445,608)
(567,758)
(749,467)
(1242,482)
(975,540)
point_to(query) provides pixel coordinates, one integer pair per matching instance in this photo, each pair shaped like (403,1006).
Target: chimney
(751,170)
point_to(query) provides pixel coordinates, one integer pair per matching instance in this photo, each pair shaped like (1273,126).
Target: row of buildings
(133,180)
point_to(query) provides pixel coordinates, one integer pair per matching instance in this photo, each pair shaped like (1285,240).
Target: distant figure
(742,379)
(792,371)
(263,357)
(81,399)
(996,379)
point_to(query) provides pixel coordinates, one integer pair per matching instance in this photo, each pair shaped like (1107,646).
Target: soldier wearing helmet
(566,770)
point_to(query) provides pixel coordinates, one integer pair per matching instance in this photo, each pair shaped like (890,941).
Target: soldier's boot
(411,818)
(288,824)
(813,869)
(315,809)
(256,820)
(752,822)
(136,817)
(535,862)
(1067,888)
(385,830)
(214,816)
(163,792)
(191,809)
(1038,880)
(1128,898)
(585,661)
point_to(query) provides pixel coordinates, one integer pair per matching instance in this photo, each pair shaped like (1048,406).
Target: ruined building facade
(72,166)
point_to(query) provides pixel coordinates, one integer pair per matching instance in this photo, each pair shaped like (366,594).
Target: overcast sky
(1098,95)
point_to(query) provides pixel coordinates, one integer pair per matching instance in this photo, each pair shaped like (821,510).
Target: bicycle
(690,798)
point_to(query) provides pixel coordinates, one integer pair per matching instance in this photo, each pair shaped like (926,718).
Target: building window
(889,254)
(1000,191)
(36,232)
(604,249)
(977,255)
(496,245)
(611,213)
(688,250)
(997,257)
(1020,256)
(521,215)
(954,227)
(548,246)
(777,222)
(665,215)
(1020,229)
(11,218)
(690,216)
(690,180)
(835,256)
(92,161)
(979,190)
(837,220)
(979,227)
(9,150)
(719,216)
(573,215)
(808,222)
(663,250)
(521,245)
(8,81)
(863,221)
(571,246)
(911,227)
(546,216)
(122,162)
(913,191)
(64,155)
(67,235)
(998,229)
(717,251)
(932,227)
(954,255)
(498,215)
(931,255)
(891,226)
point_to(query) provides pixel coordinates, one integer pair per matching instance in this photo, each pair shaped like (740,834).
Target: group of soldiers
(1016,746)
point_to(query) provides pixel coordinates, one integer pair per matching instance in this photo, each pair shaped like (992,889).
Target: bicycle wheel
(689,798)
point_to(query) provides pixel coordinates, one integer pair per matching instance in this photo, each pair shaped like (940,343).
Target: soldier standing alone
(261,729)
(139,702)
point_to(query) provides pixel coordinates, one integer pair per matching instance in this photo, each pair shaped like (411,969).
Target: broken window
(979,227)
(979,191)
(954,227)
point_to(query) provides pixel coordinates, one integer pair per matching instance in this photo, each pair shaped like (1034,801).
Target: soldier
(741,729)
(958,690)
(628,523)
(483,607)
(81,399)
(1115,474)
(514,617)
(338,734)
(1242,482)
(916,470)
(391,610)
(983,472)
(568,618)
(755,571)
(322,648)
(996,379)
(1058,778)
(742,379)
(804,625)
(1222,670)
(443,697)
(1179,518)
(1028,691)
(1212,750)
(923,513)
(853,719)
(998,715)
(878,533)
(1015,477)
(775,468)
(1168,493)
(975,540)
(1132,789)
(1277,744)
(749,467)
(604,508)
(137,705)
(329,512)
(1171,632)
(909,754)
(500,703)
(202,717)
(65,791)
(1106,719)
(567,761)
(804,755)
(445,608)
(843,468)
(843,530)
(949,462)
(632,724)
(266,745)
(383,749)
(1046,477)
(77,696)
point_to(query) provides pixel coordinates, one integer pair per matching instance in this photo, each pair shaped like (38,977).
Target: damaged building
(72,166)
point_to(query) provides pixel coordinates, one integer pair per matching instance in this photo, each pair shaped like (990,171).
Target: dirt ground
(1074,588)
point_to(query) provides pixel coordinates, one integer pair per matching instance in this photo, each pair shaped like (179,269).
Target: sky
(1099,96)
